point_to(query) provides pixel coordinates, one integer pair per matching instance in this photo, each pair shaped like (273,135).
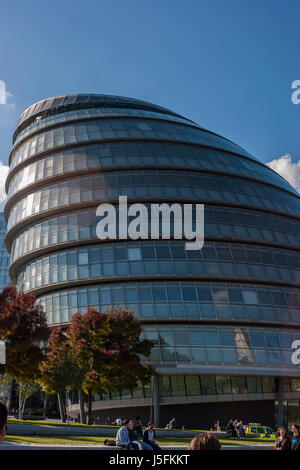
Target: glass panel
(208,386)
(223,384)
(193,385)
(177,385)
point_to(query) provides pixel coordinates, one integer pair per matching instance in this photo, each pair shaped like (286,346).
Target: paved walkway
(17,446)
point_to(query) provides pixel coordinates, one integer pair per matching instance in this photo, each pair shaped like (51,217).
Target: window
(239,384)
(192,384)
(250,297)
(177,385)
(134,254)
(208,386)
(223,384)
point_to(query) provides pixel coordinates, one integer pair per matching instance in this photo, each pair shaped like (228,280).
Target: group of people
(130,432)
(128,436)
(235,428)
(286,440)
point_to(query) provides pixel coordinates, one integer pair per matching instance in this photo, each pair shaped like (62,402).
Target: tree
(25,390)
(59,371)
(23,326)
(105,348)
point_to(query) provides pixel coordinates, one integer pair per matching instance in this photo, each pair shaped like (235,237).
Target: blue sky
(227,64)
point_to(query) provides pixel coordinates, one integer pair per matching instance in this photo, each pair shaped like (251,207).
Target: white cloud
(288,169)
(3,175)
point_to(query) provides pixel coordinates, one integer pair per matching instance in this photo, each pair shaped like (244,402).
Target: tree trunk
(20,407)
(89,414)
(45,405)
(61,407)
(81,407)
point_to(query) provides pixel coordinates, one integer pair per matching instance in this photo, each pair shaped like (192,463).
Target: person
(134,438)
(149,437)
(205,441)
(173,424)
(119,421)
(3,421)
(123,439)
(137,427)
(296,437)
(230,428)
(240,429)
(283,441)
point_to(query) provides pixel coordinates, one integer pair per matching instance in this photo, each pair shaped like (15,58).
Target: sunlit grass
(98,440)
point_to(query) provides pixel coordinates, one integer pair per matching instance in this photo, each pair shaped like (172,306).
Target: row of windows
(172,251)
(238,337)
(4,259)
(82,226)
(76,101)
(4,256)
(4,278)
(154,185)
(197,385)
(2,223)
(209,345)
(144,154)
(179,300)
(117,129)
(94,113)
(151,259)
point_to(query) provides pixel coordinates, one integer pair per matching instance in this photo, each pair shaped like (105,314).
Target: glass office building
(4,280)
(4,256)
(223,318)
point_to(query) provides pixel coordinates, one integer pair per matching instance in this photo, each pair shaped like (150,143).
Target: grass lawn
(100,440)
(54,423)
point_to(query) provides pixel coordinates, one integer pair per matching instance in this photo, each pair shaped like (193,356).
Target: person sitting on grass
(3,421)
(149,437)
(205,441)
(123,438)
(134,438)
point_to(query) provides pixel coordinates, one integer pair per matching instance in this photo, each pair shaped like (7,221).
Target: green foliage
(59,370)
(99,352)
(23,326)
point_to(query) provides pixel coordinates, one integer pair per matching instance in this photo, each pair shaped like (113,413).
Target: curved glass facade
(236,224)
(154,185)
(104,129)
(162,259)
(4,257)
(180,300)
(233,305)
(88,113)
(141,154)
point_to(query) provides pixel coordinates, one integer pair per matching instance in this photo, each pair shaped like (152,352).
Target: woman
(283,441)
(296,437)
(206,441)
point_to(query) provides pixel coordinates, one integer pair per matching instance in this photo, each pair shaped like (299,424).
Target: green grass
(54,423)
(92,440)
(100,440)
